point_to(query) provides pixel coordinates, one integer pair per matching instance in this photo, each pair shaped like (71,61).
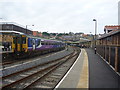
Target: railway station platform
(90,71)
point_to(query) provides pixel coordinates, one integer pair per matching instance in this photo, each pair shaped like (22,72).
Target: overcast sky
(61,15)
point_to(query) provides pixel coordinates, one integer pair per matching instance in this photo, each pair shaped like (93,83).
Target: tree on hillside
(45,34)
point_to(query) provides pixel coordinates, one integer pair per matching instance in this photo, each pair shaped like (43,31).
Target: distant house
(36,33)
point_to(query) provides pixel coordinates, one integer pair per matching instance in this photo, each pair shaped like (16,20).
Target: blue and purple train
(24,45)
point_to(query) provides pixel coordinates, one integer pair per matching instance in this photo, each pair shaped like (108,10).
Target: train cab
(13,41)
(20,43)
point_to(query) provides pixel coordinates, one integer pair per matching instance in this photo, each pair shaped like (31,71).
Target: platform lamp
(27,26)
(95,33)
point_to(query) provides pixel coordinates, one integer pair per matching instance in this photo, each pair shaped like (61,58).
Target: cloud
(61,15)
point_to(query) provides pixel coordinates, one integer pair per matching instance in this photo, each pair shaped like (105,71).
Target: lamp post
(27,26)
(95,33)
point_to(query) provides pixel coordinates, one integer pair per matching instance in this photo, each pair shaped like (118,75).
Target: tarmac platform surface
(90,71)
(101,74)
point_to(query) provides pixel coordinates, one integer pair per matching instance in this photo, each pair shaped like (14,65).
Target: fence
(111,54)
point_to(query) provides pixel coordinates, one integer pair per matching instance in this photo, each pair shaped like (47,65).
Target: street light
(95,33)
(27,26)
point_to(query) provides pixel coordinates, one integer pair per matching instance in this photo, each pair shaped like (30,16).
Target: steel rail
(72,56)
(30,75)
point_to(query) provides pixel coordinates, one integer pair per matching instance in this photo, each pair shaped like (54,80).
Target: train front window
(14,40)
(38,42)
(23,40)
(19,40)
(33,42)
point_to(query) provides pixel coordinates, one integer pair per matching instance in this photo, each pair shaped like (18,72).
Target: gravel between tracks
(36,76)
(21,66)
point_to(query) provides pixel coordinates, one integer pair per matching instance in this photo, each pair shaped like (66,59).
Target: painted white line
(10,67)
(118,73)
(84,75)
(68,71)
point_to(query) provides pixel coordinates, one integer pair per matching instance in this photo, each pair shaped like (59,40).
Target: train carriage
(23,45)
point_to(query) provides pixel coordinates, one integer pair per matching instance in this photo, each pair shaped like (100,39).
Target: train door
(33,44)
(15,43)
(20,43)
(17,40)
(24,43)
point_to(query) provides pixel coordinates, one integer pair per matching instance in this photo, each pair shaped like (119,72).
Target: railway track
(51,79)
(30,78)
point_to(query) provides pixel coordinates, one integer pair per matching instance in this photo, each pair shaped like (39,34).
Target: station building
(108,29)
(8,26)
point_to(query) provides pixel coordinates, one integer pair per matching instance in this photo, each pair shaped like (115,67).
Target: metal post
(95,33)
(26,27)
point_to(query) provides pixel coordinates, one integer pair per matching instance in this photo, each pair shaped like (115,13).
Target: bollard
(95,50)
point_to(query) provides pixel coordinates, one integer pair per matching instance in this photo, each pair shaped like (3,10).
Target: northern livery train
(17,44)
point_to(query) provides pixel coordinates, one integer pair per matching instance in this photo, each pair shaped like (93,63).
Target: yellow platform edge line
(84,76)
